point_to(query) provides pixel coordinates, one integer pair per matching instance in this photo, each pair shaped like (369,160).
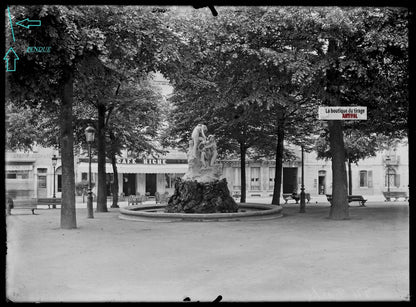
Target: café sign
(141,161)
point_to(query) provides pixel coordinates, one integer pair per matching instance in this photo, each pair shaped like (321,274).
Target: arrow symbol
(13,56)
(26,23)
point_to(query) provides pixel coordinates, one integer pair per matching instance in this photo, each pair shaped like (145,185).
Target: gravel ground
(299,257)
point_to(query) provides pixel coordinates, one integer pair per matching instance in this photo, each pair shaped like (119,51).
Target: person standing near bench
(9,205)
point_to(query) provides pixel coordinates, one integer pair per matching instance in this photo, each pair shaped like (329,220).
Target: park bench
(396,195)
(49,202)
(161,198)
(295,197)
(31,203)
(136,199)
(351,198)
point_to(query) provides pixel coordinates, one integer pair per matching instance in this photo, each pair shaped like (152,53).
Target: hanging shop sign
(342,113)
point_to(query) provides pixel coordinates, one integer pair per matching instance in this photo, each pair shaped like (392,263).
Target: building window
(18,175)
(237,178)
(321,182)
(366,179)
(391,179)
(272,171)
(41,181)
(84,176)
(24,175)
(363,179)
(255,178)
(42,170)
(11,176)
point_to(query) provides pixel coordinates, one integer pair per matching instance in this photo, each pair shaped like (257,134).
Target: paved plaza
(299,257)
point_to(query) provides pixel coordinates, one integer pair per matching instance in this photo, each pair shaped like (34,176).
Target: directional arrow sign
(26,23)
(11,58)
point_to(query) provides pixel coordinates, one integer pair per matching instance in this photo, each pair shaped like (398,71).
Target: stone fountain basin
(155,213)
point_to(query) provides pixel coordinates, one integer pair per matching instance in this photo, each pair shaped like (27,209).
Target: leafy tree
(132,128)
(131,122)
(270,68)
(52,89)
(127,52)
(364,64)
(21,123)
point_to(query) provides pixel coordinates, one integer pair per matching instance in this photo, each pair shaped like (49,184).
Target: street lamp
(388,175)
(302,187)
(54,161)
(89,135)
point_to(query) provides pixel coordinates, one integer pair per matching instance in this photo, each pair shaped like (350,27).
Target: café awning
(137,168)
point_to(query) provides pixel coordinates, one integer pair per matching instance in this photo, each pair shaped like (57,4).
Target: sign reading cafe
(140,161)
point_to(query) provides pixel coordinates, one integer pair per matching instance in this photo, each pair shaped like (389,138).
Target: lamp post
(388,175)
(89,135)
(54,161)
(302,187)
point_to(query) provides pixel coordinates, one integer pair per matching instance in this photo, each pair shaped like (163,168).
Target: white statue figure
(209,151)
(190,153)
(198,135)
(202,153)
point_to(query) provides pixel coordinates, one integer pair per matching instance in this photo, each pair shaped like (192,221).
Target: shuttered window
(272,171)
(363,179)
(255,178)
(237,178)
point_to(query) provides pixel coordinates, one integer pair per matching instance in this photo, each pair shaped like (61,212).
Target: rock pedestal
(191,196)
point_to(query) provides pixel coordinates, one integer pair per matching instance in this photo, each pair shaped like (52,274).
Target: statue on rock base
(202,156)
(200,190)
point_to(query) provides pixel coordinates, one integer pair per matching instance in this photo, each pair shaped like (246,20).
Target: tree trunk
(279,163)
(102,184)
(68,212)
(339,208)
(349,178)
(115,183)
(243,151)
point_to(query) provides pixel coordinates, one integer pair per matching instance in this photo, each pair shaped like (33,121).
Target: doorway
(322,182)
(42,183)
(290,180)
(151,184)
(129,184)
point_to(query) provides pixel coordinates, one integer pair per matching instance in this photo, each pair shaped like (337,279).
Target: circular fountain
(156,213)
(200,195)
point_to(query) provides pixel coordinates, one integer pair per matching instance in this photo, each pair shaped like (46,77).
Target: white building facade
(388,170)
(31,174)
